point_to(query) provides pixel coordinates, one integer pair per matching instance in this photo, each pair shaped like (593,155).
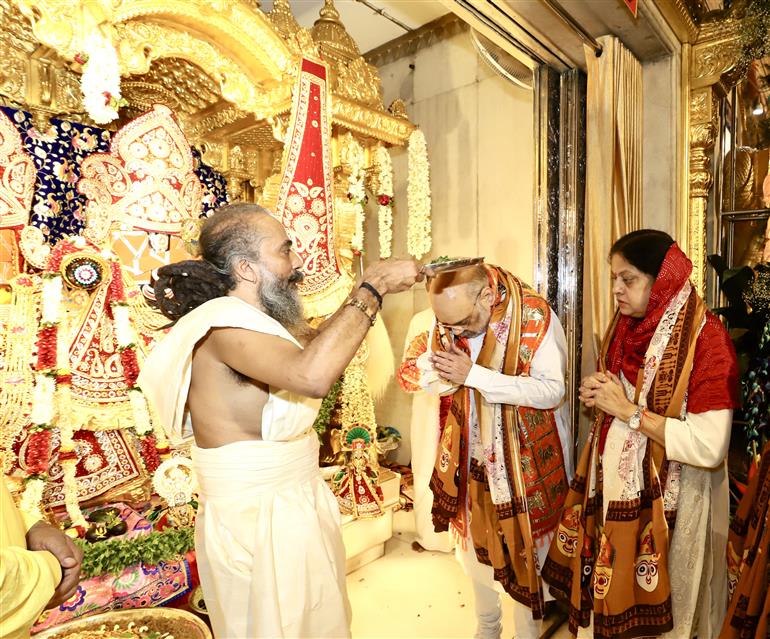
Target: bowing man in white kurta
(544,388)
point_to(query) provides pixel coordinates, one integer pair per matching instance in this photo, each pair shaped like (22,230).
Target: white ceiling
(368,28)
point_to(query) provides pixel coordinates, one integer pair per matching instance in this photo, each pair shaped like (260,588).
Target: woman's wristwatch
(635,421)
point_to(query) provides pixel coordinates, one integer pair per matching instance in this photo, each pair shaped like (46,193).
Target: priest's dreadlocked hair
(228,235)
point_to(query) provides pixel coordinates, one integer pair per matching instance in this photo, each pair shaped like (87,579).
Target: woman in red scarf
(640,549)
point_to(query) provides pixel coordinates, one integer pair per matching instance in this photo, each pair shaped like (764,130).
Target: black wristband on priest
(373,291)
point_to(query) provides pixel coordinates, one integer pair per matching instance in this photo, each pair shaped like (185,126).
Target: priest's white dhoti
(267,535)
(270,551)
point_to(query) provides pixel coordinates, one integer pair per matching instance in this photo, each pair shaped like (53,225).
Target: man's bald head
(465,281)
(454,296)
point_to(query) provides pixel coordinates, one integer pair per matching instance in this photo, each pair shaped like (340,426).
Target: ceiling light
(758,110)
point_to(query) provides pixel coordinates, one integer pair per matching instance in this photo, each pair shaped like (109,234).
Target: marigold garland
(150,453)
(384,168)
(418,234)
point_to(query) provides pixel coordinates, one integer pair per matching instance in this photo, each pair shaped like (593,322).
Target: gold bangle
(361,306)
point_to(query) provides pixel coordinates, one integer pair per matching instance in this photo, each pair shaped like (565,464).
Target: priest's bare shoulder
(233,369)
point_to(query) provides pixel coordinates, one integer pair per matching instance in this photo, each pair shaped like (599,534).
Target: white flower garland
(142,423)
(124,333)
(31,498)
(51,299)
(357,192)
(43,409)
(384,167)
(418,234)
(101,79)
(42,400)
(67,445)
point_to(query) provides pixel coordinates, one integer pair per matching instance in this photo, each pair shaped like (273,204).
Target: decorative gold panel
(240,32)
(141,43)
(260,137)
(191,88)
(376,124)
(715,52)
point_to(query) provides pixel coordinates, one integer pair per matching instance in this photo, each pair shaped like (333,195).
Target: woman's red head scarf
(714,379)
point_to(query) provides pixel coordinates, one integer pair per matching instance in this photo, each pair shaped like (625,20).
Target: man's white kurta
(424,443)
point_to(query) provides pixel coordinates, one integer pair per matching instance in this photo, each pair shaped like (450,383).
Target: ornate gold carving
(212,153)
(357,81)
(720,28)
(143,95)
(185,83)
(54,22)
(69,97)
(715,52)
(140,44)
(333,39)
(297,39)
(704,106)
(397,109)
(16,32)
(714,59)
(211,121)
(283,19)
(260,137)
(376,124)
(186,68)
(679,16)
(238,46)
(240,31)
(351,76)
(13,74)
(704,118)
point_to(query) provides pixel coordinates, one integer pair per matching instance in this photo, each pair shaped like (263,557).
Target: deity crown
(606,553)
(647,541)
(17,177)
(146,181)
(571,517)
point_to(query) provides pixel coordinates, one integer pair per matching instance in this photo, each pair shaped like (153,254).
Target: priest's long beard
(280,300)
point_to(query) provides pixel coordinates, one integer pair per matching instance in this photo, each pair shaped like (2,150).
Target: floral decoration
(418,234)
(384,168)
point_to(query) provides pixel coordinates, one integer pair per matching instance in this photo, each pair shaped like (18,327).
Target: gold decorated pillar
(704,122)
(713,60)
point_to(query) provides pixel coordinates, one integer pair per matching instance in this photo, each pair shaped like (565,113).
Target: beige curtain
(613,178)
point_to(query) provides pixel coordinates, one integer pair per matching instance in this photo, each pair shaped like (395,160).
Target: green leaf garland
(115,555)
(326,411)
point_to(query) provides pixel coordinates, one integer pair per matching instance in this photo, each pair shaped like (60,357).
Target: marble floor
(410,595)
